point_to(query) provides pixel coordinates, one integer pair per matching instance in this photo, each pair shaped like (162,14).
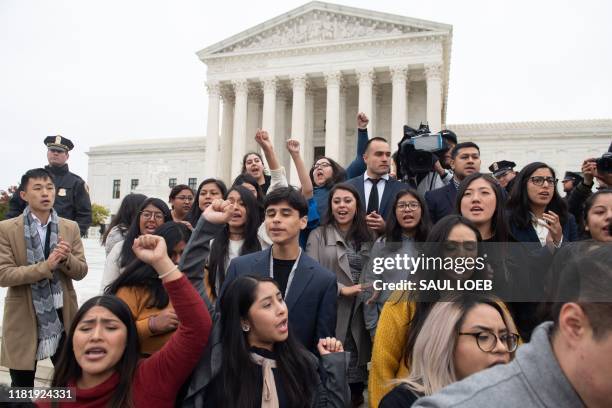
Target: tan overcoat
(19,329)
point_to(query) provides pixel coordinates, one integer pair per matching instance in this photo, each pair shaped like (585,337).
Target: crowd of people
(255,293)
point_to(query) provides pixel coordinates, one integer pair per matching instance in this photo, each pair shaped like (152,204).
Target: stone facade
(305,75)
(152,164)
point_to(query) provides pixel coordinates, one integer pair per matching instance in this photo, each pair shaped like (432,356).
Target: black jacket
(71,198)
(441,201)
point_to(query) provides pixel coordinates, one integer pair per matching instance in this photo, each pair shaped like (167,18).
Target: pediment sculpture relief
(316,27)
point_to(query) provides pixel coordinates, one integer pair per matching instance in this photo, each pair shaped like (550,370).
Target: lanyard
(291,274)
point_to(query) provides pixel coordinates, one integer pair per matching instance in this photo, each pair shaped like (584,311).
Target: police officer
(570,181)
(504,173)
(72,194)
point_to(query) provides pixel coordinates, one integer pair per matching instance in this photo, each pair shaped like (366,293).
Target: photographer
(441,174)
(592,168)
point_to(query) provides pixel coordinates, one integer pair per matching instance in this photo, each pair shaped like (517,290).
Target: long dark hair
(140,274)
(423,302)
(194,215)
(248,179)
(358,233)
(68,369)
(220,246)
(588,204)
(239,385)
(499,221)
(125,214)
(338,173)
(176,190)
(393,230)
(127,255)
(519,203)
(244,159)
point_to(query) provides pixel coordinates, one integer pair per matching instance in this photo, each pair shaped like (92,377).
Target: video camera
(604,163)
(418,152)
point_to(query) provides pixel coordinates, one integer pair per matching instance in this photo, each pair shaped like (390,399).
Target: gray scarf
(47,295)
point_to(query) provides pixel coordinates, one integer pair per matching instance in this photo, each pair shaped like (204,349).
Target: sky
(99,72)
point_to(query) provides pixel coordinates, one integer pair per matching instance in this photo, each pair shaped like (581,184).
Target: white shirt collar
(367,176)
(39,222)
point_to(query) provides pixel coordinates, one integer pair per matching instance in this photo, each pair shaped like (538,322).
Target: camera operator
(441,174)
(592,168)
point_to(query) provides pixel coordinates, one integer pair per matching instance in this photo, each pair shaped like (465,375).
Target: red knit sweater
(159,377)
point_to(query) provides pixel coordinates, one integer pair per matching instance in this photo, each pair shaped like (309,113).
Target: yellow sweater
(389,346)
(137,299)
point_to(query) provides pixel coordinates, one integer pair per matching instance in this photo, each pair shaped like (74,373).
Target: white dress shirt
(42,229)
(367,187)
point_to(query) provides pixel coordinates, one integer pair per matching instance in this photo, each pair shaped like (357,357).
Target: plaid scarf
(47,294)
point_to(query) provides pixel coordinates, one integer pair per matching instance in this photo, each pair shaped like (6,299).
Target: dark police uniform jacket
(71,198)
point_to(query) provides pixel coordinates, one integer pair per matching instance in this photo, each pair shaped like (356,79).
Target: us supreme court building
(305,75)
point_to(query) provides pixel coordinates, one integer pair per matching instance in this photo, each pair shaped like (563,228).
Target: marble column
(342,142)
(281,127)
(333,81)
(298,119)
(224,161)
(398,104)
(376,102)
(269,107)
(433,76)
(366,78)
(253,118)
(212,129)
(239,142)
(308,146)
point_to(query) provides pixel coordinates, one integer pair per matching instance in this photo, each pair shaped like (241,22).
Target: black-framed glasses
(147,215)
(413,205)
(487,340)
(451,246)
(539,180)
(185,198)
(323,165)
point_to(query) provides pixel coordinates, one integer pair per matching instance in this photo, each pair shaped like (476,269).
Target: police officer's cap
(575,177)
(59,142)
(501,167)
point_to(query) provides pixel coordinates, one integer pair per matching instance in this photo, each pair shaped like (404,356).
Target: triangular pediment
(317,23)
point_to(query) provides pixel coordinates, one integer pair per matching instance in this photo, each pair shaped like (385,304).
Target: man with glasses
(72,194)
(567,363)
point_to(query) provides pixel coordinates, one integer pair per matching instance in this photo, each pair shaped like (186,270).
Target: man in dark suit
(310,290)
(465,160)
(376,189)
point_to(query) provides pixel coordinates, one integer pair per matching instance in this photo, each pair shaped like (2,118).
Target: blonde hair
(432,364)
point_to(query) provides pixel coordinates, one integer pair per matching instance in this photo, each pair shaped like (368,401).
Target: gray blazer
(328,247)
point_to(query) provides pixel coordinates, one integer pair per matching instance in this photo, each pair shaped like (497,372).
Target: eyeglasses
(413,205)
(539,180)
(184,198)
(147,215)
(451,246)
(487,340)
(323,165)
